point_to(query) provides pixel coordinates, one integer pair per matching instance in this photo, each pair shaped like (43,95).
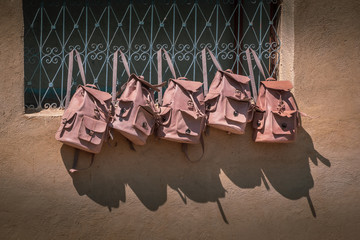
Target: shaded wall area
(305,190)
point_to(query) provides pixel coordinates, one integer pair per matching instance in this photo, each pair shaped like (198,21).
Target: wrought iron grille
(96,28)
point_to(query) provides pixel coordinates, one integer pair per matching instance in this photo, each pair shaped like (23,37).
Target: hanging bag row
(182,113)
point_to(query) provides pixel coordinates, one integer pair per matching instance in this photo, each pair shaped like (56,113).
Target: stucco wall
(240,190)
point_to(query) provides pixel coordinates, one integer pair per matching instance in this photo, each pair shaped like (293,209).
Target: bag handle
(251,70)
(115,65)
(204,67)
(70,72)
(171,67)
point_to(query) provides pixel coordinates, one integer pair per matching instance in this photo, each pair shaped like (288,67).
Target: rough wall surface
(240,190)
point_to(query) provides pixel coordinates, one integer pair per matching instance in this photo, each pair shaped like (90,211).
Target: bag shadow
(152,168)
(285,167)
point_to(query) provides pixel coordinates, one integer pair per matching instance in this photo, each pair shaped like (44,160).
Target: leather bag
(229,104)
(84,124)
(276,117)
(182,113)
(135,112)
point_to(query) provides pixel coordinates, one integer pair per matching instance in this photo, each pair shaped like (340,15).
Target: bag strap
(75,161)
(115,65)
(251,70)
(171,67)
(70,72)
(184,149)
(204,67)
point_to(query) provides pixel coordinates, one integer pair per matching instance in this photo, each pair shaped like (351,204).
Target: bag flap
(165,115)
(124,108)
(284,123)
(191,86)
(99,95)
(144,121)
(142,80)
(239,78)
(288,113)
(278,85)
(211,95)
(189,123)
(94,125)
(238,99)
(236,110)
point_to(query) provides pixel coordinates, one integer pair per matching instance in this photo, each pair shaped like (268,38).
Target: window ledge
(45,113)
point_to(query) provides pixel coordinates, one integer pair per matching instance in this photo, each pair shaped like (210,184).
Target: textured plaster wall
(240,190)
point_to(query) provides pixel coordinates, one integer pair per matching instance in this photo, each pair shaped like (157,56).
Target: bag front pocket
(92,130)
(189,123)
(124,109)
(284,123)
(144,121)
(236,110)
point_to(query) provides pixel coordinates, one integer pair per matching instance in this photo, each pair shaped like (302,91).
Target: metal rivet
(91,132)
(119,24)
(184,24)
(188,131)
(236,113)
(283,125)
(259,123)
(161,24)
(144,125)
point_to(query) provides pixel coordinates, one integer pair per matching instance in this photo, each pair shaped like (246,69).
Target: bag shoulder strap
(70,72)
(204,67)
(171,67)
(115,65)
(251,70)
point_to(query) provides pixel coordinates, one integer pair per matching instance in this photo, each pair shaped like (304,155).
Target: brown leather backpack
(182,115)
(276,117)
(229,104)
(84,124)
(135,112)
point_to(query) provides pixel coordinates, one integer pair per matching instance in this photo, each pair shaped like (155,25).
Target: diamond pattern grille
(139,28)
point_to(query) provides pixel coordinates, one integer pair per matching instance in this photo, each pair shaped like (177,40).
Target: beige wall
(240,190)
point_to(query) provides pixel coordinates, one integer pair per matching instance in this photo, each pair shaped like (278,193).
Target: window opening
(139,28)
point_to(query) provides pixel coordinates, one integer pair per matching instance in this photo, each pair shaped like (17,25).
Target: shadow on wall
(152,168)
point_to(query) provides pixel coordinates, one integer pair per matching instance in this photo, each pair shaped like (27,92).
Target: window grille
(96,28)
